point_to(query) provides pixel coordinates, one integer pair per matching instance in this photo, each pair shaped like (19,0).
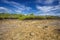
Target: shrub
(23,17)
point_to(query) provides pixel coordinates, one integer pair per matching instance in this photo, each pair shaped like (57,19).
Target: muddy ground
(29,29)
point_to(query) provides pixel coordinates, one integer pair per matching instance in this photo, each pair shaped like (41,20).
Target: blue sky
(38,7)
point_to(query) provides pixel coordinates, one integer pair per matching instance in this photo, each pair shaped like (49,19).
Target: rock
(39,26)
(32,34)
(45,27)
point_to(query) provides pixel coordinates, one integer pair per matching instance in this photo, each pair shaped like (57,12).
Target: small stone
(45,27)
(38,26)
(32,34)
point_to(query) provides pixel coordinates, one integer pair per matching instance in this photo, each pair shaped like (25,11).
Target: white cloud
(46,1)
(4,10)
(48,8)
(38,1)
(18,11)
(47,14)
(5,1)
(18,7)
(49,1)
(44,8)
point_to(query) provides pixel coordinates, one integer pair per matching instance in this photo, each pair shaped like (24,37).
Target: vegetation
(24,17)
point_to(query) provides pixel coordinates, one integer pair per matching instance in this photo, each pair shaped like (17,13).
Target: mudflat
(30,29)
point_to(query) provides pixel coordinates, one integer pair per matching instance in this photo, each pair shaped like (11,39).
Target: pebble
(32,34)
(38,26)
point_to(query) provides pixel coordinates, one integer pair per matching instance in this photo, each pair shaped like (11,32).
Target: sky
(38,7)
